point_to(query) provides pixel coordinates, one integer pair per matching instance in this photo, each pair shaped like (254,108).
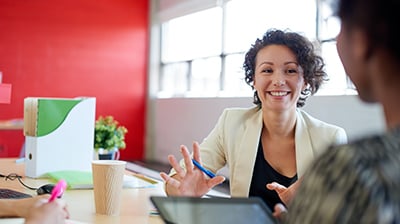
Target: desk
(134,209)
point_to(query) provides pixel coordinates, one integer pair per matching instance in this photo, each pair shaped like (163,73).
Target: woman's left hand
(286,194)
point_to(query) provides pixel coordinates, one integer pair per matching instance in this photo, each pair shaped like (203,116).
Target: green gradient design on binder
(52,113)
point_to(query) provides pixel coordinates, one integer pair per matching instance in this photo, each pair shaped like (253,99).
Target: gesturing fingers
(276,187)
(169,180)
(187,159)
(215,181)
(174,163)
(196,151)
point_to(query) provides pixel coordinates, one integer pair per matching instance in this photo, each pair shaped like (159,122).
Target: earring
(256,100)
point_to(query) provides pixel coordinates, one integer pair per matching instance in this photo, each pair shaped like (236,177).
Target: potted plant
(109,137)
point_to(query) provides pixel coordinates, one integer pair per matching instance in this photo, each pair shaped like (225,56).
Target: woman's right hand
(189,182)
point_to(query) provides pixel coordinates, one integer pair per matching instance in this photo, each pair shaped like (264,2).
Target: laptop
(191,210)
(6,193)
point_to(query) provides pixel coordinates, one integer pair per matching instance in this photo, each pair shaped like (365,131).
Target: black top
(264,173)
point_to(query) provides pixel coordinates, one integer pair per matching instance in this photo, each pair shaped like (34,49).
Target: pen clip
(58,190)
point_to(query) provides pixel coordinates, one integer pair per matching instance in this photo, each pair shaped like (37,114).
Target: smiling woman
(274,141)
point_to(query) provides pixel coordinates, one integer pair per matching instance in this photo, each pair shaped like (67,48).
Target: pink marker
(58,190)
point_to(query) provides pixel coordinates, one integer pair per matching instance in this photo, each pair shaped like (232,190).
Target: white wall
(183,120)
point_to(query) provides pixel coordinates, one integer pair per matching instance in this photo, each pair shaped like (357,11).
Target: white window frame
(182,88)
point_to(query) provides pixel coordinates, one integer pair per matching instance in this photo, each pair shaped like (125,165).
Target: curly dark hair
(312,64)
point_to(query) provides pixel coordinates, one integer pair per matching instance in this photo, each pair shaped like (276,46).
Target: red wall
(70,48)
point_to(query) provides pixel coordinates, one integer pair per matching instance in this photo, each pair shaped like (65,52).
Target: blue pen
(209,173)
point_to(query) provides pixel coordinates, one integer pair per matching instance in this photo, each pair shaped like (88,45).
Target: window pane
(247,20)
(329,24)
(173,81)
(337,83)
(205,80)
(234,83)
(192,36)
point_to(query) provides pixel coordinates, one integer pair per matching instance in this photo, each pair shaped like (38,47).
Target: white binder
(59,134)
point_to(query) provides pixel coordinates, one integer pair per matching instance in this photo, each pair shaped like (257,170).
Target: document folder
(59,134)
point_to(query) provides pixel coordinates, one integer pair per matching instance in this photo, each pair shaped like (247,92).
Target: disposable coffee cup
(108,177)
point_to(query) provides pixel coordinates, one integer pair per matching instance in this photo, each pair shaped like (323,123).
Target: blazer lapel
(248,146)
(304,150)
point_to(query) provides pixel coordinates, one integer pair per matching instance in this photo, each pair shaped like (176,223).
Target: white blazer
(235,138)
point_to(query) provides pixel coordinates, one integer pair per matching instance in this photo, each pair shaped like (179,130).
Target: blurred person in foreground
(360,182)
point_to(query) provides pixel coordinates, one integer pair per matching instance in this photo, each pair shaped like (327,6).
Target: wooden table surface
(136,205)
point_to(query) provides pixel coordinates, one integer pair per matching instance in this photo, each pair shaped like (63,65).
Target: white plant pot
(102,154)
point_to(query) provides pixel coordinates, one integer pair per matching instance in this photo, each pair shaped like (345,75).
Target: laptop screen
(184,210)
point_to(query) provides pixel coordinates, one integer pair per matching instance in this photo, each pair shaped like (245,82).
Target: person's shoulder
(373,146)
(377,139)
(314,122)
(242,111)
(238,115)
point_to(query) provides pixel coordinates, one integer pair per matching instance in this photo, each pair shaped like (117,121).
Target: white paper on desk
(69,221)
(135,182)
(21,221)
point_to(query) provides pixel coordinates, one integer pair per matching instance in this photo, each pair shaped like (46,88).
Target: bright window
(202,53)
